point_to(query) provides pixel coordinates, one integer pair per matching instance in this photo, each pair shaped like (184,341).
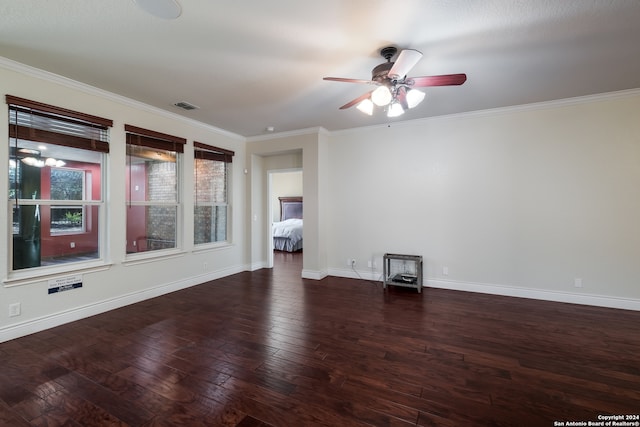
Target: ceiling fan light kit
(395,110)
(366,106)
(381,96)
(39,163)
(396,92)
(414,97)
(32,157)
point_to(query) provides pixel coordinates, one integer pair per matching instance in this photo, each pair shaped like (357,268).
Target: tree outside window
(67,184)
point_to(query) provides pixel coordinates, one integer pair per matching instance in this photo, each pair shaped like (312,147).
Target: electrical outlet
(577,282)
(72,245)
(445,270)
(14,309)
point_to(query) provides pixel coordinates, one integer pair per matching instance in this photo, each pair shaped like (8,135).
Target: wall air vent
(186,105)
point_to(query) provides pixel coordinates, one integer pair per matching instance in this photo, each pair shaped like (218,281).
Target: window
(67,184)
(211,185)
(153,211)
(55,184)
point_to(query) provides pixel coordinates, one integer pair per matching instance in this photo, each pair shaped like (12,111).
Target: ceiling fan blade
(356,101)
(340,79)
(407,59)
(442,80)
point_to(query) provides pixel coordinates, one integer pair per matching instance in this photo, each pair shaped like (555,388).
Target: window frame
(202,151)
(136,136)
(36,122)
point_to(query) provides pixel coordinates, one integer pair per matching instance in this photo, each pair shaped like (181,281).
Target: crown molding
(535,106)
(91,90)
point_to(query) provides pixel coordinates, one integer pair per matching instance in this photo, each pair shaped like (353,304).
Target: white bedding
(289,229)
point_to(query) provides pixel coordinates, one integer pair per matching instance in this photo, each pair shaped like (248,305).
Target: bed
(287,233)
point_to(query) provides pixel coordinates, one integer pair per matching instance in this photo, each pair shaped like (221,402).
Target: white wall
(517,201)
(119,283)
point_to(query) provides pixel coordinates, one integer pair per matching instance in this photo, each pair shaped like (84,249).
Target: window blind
(209,152)
(35,121)
(153,139)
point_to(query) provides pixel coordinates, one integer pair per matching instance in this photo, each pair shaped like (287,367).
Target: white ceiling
(251,64)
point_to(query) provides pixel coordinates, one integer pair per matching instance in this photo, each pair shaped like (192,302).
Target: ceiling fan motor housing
(380,73)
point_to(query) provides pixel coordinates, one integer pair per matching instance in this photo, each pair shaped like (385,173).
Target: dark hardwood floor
(267,348)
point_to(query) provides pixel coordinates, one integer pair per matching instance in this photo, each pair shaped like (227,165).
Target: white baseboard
(31,326)
(539,294)
(313,274)
(356,274)
(257,266)
(510,291)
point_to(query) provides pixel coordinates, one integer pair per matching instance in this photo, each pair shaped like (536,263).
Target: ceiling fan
(395,90)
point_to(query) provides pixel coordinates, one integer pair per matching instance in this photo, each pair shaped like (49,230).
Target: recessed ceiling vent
(185,105)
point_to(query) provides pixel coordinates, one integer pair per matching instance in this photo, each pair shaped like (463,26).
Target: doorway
(282,183)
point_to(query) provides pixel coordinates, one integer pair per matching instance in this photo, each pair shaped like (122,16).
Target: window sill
(45,273)
(67,233)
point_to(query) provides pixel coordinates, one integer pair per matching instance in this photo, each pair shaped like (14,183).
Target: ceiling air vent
(186,105)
